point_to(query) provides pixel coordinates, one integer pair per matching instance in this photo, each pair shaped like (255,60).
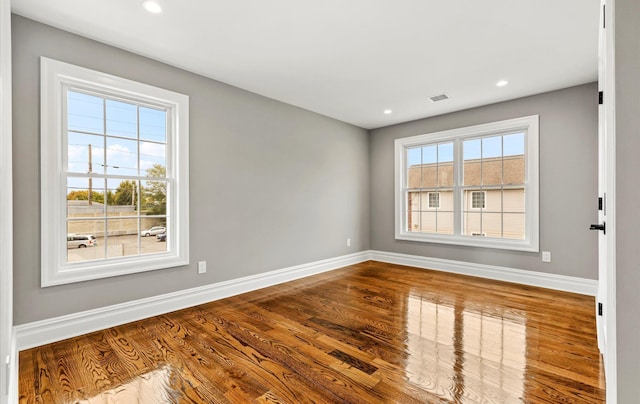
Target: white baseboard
(55,329)
(531,278)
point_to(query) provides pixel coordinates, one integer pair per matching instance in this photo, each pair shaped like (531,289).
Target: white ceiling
(352,59)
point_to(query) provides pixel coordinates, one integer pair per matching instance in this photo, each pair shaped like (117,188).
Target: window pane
(492,224)
(413,211)
(424,201)
(154,197)
(123,195)
(492,200)
(491,147)
(85,153)
(446,200)
(153,124)
(413,201)
(429,175)
(413,218)
(514,169)
(491,171)
(429,166)
(153,160)
(414,156)
(492,160)
(85,197)
(513,145)
(471,149)
(122,156)
(514,225)
(85,113)
(414,170)
(122,119)
(85,240)
(152,226)
(430,154)
(414,177)
(472,224)
(123,237)
(445,222)
(428,222)
(157,240)
(445,174)
(514,200)
(472,162)
(445,152)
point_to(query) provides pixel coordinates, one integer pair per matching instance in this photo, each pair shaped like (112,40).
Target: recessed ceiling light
(387,111)
(152,6)
(502,83)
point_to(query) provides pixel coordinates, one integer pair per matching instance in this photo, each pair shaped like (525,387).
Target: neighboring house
(493,203)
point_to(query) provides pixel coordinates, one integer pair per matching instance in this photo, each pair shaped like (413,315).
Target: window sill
(467,241)
(86,271)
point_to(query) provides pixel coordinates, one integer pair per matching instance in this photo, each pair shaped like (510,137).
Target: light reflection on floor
(150,388)
(464,355)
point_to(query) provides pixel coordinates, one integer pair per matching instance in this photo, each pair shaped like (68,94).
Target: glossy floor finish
(368,333)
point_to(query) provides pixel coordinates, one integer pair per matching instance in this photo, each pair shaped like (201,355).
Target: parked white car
(81,241)
(154,231)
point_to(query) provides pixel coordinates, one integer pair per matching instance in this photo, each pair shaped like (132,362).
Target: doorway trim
(608,86)
(8,354)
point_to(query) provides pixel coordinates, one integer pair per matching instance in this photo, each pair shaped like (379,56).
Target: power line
(119,151)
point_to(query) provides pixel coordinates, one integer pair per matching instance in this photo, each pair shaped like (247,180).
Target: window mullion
(104,172)
(457,187)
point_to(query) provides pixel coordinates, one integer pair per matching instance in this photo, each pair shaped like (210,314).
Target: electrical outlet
(348,242)
(546,256)
(202,267)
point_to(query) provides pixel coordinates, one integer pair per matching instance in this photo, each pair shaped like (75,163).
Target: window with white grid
(456,185)
(115,175)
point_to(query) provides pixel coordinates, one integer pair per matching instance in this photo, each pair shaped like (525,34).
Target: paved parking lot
(117,246)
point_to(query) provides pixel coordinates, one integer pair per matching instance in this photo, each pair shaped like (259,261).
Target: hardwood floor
(368,333)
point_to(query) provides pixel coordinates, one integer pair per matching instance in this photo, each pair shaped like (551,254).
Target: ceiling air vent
(439,97)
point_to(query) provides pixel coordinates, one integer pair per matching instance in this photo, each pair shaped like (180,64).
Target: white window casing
(56,79)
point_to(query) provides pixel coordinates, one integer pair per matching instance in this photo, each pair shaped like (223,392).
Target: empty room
(319,202)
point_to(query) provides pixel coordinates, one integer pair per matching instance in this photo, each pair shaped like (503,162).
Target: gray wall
(568,182)
(272,185)
(627,59)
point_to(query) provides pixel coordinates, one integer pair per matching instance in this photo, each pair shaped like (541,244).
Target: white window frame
(56,77)
(437,193)
(530,126)
(484,200)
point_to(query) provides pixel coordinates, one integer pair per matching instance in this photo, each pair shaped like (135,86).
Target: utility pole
(90,179)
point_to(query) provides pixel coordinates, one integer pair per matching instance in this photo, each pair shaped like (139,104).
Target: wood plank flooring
(367,333)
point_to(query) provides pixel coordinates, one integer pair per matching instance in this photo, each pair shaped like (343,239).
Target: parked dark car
(162,236)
